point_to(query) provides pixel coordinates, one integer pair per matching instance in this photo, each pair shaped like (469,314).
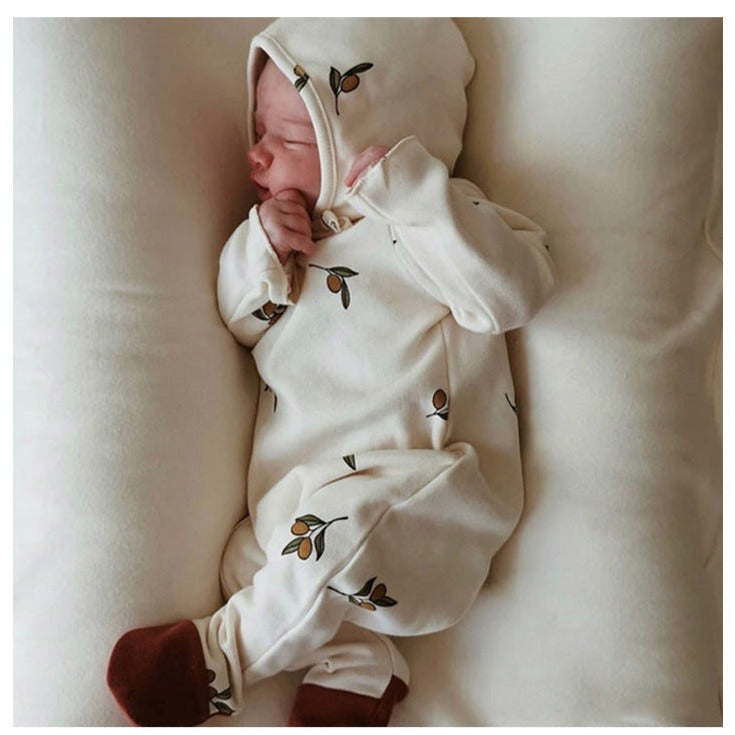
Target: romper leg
(355,680)
(398,542)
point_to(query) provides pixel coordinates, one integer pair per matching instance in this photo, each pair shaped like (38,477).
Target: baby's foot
(319,706)
(159,677)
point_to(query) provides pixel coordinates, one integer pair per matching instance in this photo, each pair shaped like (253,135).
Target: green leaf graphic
(350,461)
(385,602)
(359,69)
(319,544)
(340,270)
(345,292)
(311,520)
(223,708)
(292,546)
(334,79)
(366,587)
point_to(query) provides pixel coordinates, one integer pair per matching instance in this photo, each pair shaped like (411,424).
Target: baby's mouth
(262,191)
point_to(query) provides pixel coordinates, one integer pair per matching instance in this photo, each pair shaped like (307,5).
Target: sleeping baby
(374,290)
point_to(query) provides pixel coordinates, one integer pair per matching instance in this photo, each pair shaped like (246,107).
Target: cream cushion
(134,405)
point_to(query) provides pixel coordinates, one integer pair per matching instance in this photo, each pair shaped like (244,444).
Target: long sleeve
(253,288)
(488,264)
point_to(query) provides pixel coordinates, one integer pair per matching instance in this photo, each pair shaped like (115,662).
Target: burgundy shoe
(317,706)
(158,676)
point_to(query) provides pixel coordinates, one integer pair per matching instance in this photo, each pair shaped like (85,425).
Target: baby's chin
(263,194)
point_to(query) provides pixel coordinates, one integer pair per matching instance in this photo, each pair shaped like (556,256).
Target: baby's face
(285,154)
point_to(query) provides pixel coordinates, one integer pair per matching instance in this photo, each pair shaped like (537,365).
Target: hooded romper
(384,372)
(368,508)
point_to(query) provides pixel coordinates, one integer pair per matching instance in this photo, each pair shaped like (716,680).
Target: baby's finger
(288,206)
(297,223)
(291,195)
(302,244)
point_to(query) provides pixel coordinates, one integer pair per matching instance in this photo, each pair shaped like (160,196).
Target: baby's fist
(364,161)
(287,223)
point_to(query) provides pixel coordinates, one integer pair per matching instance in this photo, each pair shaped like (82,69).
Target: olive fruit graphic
(305,548)
(336,282)
(299,528)
(270,312)
(370,596)
(347,82)
(309,531)
(378,592)
(439,398)
(441,405)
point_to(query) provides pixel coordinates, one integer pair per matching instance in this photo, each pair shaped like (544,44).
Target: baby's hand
(287,223)
(368,158)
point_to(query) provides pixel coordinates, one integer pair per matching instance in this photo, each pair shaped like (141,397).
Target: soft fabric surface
(133,403)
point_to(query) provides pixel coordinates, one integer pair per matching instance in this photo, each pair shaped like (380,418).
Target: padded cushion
(133,404)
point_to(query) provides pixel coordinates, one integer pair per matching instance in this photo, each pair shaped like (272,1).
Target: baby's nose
(258,157)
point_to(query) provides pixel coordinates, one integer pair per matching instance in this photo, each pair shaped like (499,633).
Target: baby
(373,289)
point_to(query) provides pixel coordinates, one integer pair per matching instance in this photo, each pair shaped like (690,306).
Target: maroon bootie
(317,706)
(158,675)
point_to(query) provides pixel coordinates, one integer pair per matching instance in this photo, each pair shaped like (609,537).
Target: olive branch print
(301,77)
(369,597)
(270,312)
(441,405)
(214,695)
(336,280)
(309,531)
(347,82)
(266,389)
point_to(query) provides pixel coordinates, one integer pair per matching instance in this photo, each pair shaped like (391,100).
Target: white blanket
(133,405)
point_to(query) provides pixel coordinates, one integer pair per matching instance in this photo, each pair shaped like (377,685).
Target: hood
(369,81)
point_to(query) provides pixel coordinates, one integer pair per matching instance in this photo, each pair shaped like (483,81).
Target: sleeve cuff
(276,275)
(250,272)
(402,188)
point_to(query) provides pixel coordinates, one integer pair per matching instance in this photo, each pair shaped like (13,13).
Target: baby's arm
(253,286)
(488,264)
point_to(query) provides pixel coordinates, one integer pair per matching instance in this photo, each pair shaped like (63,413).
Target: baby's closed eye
(299,143)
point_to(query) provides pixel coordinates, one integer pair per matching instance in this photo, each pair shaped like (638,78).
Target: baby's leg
(355,680)
(397,542)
